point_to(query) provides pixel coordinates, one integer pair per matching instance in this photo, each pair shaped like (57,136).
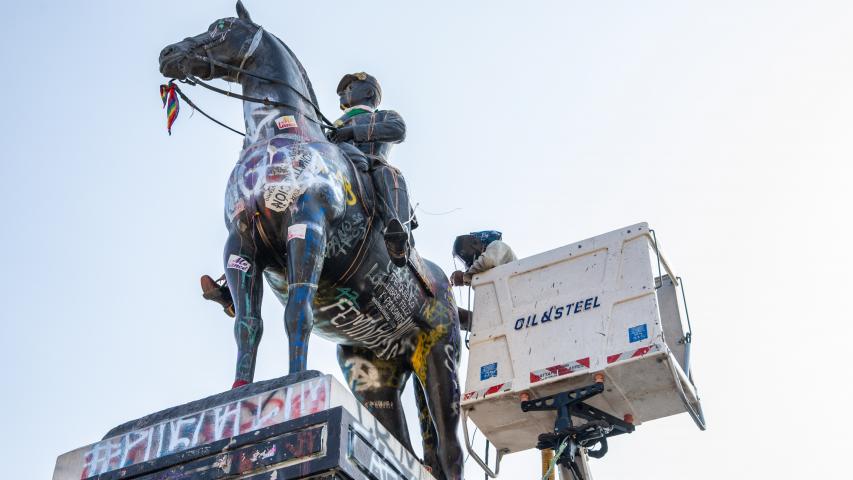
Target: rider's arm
(384,126)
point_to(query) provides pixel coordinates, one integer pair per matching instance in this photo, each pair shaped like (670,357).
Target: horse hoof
(238,384)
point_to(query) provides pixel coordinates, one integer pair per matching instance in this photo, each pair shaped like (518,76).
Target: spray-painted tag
(239,263)
(296,231)
(286,121)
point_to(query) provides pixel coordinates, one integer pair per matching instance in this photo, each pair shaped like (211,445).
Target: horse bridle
(249,46)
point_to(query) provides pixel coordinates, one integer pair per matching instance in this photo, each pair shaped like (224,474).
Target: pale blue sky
(726,125)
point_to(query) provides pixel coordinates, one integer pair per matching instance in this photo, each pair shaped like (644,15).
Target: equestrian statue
(328,225)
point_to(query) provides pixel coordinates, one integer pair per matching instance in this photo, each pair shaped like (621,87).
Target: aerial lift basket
(606,308)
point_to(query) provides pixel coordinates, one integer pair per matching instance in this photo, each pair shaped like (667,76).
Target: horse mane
(302,71)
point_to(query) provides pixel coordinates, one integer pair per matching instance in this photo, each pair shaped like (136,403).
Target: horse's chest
(271,175)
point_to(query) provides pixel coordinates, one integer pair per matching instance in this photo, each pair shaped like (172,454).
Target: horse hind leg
(244,282)
(429,437)
(435,362)
(377,384)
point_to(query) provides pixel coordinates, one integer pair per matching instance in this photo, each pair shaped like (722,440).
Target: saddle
(362,177)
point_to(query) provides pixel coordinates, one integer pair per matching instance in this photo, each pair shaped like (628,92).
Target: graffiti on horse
(299,214)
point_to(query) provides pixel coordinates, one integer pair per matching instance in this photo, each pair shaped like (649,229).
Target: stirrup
(213,290)
(397,242)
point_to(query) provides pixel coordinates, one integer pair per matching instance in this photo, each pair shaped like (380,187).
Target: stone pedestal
(293,427)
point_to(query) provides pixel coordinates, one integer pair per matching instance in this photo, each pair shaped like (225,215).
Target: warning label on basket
(488,371)
(640,332)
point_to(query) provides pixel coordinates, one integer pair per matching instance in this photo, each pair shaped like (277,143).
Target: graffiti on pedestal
(217,423)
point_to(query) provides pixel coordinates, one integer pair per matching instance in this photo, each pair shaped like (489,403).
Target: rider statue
(366,135)
(364,131)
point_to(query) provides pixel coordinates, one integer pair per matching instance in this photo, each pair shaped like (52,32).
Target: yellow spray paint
(425,342)
(351,198)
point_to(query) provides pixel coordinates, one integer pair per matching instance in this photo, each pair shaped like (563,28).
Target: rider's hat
(364,77)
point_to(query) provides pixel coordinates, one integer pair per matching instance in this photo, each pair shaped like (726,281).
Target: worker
(479,251)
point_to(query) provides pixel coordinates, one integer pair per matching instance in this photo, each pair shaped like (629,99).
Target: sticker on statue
(286,121)
(296,231)
(239,263)
(278,197)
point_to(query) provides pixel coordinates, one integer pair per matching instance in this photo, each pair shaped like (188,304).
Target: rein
(195,107)
(253,44)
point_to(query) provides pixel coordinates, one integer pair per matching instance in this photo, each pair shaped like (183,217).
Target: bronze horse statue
(299,212)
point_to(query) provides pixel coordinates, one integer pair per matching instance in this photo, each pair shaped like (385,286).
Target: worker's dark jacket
(374,133)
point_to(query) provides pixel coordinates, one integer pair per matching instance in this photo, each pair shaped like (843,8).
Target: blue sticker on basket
(640,332)
(488,371)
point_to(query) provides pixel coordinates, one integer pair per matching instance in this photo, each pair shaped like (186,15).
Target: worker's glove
(343,134)
(457,278)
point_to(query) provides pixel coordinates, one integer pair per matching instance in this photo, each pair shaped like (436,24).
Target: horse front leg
(306,248)
(244,281)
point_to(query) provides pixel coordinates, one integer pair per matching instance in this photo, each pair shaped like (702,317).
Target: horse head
(241,51)
(228,41)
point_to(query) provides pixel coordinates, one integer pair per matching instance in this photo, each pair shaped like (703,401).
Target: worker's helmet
(468,247)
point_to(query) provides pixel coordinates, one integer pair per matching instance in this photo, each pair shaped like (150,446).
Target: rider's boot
(395,210)
(217,291)
(396,241)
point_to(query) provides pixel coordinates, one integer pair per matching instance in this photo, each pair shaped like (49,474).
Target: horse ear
(242,12)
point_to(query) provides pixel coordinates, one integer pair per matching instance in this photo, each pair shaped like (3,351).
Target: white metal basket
(548,323)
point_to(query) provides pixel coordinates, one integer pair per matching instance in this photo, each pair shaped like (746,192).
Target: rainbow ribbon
(170,103)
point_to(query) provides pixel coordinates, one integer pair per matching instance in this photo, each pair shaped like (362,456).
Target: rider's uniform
(374,134)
